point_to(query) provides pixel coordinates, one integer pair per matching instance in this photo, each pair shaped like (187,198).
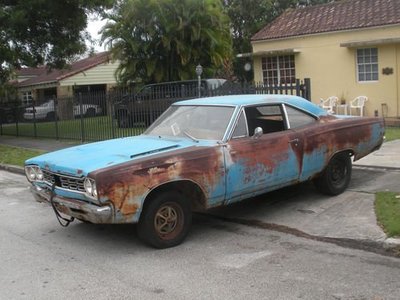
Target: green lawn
(88,129)
(392,133)
(16,156)
(387,208)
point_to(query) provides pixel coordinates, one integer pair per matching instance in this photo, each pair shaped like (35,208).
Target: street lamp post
(199,71)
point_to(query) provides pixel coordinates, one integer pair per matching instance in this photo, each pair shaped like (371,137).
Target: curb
(12,169)
(376,167)
(391,243)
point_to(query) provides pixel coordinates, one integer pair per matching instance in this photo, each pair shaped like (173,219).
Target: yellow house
(95,73)
(347,48)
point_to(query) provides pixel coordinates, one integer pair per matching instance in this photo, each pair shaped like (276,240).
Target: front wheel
(165,220)
(336,177)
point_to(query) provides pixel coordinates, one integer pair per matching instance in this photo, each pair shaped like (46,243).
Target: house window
(26,98)
(367,64)
(278,70)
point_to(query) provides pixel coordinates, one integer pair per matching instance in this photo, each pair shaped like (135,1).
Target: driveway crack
(365,245)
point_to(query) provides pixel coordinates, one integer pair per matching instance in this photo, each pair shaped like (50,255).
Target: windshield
(195,122)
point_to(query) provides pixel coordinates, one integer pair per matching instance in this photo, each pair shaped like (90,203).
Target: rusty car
(199,154)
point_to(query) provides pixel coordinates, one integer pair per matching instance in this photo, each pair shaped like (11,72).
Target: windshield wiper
(190,136)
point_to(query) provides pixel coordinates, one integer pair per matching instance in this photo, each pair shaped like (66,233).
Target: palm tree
(163,40)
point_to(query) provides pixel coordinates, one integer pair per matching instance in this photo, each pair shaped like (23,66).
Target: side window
(241,127)
(268,117)
(298,118)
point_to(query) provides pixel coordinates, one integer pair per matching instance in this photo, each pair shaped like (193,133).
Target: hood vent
(154,151)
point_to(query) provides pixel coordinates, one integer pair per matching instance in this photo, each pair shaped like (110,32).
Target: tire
(165,220)
(51,116)
(91,112)
(336,177)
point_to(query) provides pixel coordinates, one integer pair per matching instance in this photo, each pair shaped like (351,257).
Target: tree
(246,20)
(43,31)
(282,5)
(164,40)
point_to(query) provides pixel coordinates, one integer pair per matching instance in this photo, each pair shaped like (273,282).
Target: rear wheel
(91,112)
(165,220)
(51,116)
(336,177)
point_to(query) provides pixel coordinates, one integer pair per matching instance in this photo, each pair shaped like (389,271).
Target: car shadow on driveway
(300,207)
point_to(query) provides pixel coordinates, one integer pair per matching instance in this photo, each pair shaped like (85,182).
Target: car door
(264,162)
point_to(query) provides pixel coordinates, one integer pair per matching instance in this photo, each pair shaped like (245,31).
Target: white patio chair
(358,103)
(329,104)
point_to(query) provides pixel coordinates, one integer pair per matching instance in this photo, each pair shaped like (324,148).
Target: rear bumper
(76,208)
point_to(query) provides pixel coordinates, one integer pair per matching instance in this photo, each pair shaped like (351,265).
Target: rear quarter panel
(332,135)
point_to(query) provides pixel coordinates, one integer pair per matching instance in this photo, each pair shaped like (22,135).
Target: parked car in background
(199,154)
(46,111)
(87,110)
(153,99)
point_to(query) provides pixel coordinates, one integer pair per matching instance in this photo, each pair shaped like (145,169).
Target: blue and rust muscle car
(199,154)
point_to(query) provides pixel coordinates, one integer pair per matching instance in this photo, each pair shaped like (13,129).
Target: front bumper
(76,208)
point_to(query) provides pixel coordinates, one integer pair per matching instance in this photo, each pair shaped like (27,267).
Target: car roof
(249,100)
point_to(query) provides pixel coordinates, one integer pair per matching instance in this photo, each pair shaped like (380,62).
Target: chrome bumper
(75,208)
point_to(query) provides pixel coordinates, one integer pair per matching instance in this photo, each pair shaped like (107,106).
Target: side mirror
(258,132)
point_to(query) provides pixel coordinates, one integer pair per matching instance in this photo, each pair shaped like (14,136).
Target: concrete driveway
(219,260)
(346,216)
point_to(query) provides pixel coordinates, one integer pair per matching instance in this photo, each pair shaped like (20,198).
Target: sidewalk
(386,157)
(47,145)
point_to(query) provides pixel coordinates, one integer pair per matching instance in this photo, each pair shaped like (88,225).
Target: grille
(65,182)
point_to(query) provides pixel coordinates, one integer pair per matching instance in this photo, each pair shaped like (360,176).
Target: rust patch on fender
(127,184)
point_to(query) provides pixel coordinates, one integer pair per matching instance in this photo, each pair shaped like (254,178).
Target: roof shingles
(56,75)
(335,16)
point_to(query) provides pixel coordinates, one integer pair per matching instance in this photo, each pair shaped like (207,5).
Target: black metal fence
(100,116)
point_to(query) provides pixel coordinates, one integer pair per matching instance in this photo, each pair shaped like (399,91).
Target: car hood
(83,159)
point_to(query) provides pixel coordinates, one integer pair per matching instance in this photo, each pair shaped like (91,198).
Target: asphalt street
(219,260)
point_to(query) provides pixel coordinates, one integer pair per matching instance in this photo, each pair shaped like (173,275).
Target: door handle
(294,141)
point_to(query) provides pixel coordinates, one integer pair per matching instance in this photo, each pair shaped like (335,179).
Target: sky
(93,28)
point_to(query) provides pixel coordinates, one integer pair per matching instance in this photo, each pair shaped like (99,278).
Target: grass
(392,133)
(16,156)
(387,209)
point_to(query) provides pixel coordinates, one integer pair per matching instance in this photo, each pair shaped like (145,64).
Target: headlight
(39,174)
(90,187)
(34,173)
